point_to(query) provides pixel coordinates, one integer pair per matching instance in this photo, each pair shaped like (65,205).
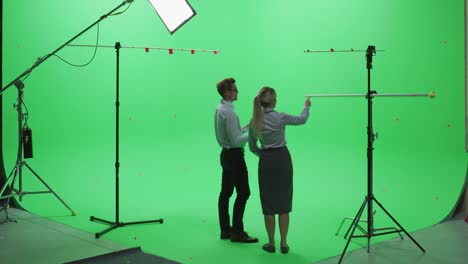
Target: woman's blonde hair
(265,98)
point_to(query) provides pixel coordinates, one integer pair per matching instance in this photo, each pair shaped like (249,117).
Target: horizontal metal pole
(430,95)
(334,95)
(333,50)
(141,47)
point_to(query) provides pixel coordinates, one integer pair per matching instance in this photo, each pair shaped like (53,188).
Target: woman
(275,169)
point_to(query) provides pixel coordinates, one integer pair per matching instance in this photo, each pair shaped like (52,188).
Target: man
(229,135)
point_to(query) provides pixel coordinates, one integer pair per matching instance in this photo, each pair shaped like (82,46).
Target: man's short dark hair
(224,85)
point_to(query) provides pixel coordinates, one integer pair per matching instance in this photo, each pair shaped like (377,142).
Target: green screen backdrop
(168,153)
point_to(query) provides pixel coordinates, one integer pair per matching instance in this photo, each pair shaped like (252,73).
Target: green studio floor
(36,239)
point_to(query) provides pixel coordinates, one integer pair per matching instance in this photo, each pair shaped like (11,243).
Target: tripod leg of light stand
(114,225)
(143,222)
(50,189)
(14,173)
(119,224)
(110,228)
(356,219)
(353,228)
(398,224)
(350,218)
(92,218)
(14,170)
(8,204)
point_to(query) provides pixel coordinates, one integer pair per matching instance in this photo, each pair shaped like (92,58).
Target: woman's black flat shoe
(269,248)
(284,249)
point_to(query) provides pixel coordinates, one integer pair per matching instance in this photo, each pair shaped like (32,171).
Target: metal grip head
(19,84)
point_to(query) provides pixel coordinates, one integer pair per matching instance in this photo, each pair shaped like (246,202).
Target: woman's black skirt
(275,175)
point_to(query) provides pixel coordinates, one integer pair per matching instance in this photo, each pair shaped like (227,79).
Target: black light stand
(371,231)
(117,223)
(17,171)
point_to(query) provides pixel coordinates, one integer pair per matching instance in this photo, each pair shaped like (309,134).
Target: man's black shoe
(242,237)
(225,235)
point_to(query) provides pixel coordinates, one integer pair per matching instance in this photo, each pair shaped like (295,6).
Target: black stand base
(114,225)
(17,172)
(373,232)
